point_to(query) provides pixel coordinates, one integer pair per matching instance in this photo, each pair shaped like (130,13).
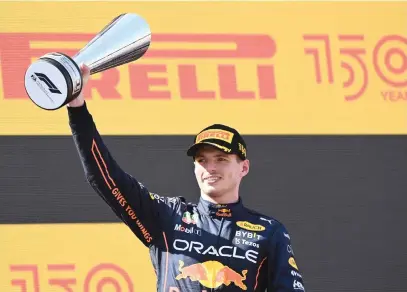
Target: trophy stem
(124,40)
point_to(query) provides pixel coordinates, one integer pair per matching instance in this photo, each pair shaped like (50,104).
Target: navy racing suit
(193,247)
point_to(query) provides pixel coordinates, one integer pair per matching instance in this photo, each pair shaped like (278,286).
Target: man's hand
(80,100)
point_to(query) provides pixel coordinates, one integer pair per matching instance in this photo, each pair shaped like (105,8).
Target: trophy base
(53,81)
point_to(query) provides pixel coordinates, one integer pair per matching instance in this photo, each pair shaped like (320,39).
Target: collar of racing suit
(225,211)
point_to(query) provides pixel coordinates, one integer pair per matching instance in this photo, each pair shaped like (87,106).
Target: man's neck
(224,199)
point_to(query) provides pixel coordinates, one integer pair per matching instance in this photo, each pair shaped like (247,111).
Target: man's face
(218,173)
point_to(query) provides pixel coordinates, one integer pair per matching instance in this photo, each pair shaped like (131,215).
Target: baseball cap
(222,137)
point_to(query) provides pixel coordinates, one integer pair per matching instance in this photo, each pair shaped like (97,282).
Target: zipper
(217,243)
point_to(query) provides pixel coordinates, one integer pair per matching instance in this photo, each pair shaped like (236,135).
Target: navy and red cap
(222,137)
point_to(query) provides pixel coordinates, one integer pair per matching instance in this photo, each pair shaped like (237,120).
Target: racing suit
(193,247)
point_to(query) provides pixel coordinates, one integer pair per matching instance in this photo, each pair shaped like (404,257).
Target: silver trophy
(55,79)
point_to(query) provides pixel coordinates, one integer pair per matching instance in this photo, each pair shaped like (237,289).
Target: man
(215,245)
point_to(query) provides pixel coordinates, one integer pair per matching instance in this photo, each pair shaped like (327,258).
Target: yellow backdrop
(81,255)
(264,67)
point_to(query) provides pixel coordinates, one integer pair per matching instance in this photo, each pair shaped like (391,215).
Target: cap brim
(194,148)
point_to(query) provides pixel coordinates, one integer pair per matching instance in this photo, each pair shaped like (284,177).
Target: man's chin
(212,191)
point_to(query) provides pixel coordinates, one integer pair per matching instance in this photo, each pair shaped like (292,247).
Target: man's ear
(246,167)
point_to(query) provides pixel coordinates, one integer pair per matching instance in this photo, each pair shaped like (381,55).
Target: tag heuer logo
(189,219)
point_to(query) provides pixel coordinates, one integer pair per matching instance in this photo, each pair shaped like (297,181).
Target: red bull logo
(212,274)
(224,213)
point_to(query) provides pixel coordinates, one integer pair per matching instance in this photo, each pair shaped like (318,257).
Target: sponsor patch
(249,226)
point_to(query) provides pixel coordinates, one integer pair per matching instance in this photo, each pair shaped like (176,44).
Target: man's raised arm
(128,198)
